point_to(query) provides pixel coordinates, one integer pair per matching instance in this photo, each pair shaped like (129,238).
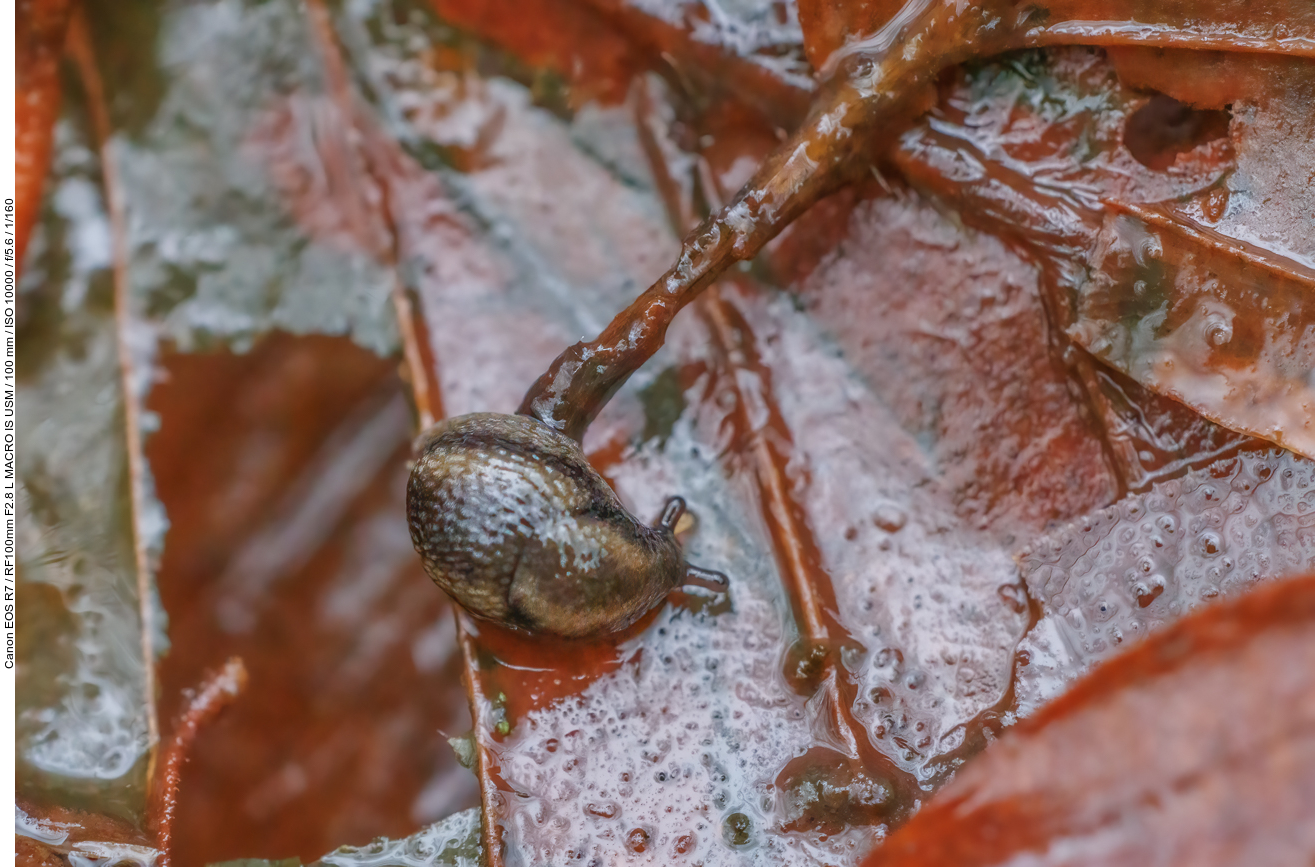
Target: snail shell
(511,520)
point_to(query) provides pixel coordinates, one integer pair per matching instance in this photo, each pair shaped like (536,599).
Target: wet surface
(964,323)
(1193,748)
(83,728)
(1114,576)
(223,247)
(1166,282)
(453,842)
(894,553)
(47,835)
(868,426)
(284,473)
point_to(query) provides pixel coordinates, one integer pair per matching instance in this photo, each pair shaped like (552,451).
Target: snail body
(510,519)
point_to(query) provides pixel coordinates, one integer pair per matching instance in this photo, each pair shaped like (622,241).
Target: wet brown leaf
(1195,747)
(39,38)
(281,471)
(946,366)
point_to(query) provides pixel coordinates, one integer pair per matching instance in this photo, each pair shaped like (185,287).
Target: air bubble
(1013,596)
(1218,331)
(735,829)
(890,518)
(888,656)
(637,840)
(1149,590)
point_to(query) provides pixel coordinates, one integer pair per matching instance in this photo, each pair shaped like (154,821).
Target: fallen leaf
(1192,748)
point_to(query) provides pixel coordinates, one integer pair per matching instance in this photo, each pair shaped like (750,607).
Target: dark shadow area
(1163,128)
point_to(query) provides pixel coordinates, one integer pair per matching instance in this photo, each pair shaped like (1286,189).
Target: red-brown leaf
(1197,747)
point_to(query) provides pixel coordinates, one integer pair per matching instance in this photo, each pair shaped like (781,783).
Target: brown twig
(871,97)
(83,55)
(217,691)
(798,558)
(423,382)
(481,725)
(1119,35)
(875,86)
(424,387)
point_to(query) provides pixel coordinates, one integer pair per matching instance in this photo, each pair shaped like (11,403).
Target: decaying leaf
(1192,748)
(39,38)
(1003,404)
(1112,577)
(84,712)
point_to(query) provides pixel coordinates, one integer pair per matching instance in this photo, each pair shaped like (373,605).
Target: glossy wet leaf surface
(968,428)
(1088,779)
(82,704)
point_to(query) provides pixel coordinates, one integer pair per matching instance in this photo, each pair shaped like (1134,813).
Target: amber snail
(513,523)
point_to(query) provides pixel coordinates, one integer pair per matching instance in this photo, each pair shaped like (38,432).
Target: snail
(514,524)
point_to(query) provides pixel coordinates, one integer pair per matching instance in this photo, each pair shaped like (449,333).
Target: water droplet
(603,811)
(1013,596)
(888,656)
(1218,331)
(637,840)
(890,518)
(1215,204)
(1148,591)
(735,829)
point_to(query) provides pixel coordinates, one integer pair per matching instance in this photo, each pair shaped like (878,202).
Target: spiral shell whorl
(511,520)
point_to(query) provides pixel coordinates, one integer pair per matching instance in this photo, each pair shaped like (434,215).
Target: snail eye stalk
(706,578)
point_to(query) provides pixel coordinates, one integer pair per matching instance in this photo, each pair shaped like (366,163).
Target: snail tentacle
(671,513)
(705,578)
